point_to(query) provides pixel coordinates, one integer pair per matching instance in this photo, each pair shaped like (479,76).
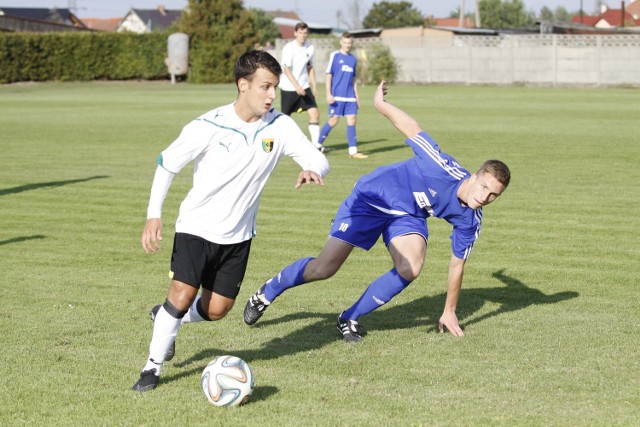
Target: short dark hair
(301,26)
(497,169)
(249,62)
(346,35)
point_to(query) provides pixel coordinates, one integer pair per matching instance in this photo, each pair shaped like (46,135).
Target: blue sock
(324,133)
(290,276)
(351,136)
(379,292)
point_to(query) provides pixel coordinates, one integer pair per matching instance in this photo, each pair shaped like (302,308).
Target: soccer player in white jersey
(394,202)
(342,94)
(234,150)
(298,88)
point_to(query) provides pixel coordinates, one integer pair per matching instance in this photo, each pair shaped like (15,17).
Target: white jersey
(232,160)
(296,58)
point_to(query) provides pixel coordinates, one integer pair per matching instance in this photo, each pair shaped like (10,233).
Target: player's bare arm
(307,177)
(151,235)
(287,72)
(312,81)
(449,319)
(401,120)
(327,85)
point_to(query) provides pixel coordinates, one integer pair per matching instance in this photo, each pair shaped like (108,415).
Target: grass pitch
(549,304)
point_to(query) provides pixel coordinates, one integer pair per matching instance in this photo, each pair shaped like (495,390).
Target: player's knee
(316,270)
(409,270)
(216,314)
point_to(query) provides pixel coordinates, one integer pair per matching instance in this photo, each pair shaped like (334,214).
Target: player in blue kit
(394,201)
(342,94)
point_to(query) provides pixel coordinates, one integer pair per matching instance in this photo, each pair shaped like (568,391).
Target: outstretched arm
(449,318)
(401,120)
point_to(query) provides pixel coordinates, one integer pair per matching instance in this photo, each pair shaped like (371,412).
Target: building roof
(102,24)
(157,19)
(608,18)
(287,26)
(289,14)
(634,9)
(454,22)
(54,15)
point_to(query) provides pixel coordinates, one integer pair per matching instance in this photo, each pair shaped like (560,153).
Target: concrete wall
(503,60)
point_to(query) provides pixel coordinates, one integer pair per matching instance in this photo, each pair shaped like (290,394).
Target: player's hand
(449,320)
(300,91)
(306,177)
(151,234)
(381,92)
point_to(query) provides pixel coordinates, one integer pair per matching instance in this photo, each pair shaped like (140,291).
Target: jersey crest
(267,144)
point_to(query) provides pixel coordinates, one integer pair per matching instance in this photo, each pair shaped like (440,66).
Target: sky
(318,12)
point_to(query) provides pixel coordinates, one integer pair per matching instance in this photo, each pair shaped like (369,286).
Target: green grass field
(550,303)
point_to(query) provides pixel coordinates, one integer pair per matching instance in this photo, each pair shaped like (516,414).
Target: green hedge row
(82,56)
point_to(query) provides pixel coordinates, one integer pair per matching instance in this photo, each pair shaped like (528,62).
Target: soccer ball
(227,381)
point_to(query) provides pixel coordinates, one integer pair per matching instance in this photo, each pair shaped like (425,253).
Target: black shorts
(217,268)
(291,102)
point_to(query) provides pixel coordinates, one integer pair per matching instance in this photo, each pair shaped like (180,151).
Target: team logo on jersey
(267,145)
(423,201)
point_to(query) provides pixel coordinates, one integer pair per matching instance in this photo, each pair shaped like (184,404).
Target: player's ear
(243,84)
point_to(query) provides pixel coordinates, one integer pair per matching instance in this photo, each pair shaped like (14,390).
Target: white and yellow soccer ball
(227,381)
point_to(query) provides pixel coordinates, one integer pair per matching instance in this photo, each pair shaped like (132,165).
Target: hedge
(82,56)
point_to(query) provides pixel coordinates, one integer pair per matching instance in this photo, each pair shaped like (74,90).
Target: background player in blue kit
(342,94)
(394,201)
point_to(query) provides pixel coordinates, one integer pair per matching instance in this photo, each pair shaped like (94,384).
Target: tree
(267,30)
(504,14)
(546,14)
(562,15)
(219,32)
(355,9)
(392,15)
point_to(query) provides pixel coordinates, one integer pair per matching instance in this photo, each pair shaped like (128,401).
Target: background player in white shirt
(298,90)
(394,201)
(234,149)
(342,94)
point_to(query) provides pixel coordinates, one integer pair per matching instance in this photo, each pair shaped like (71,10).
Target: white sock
(193,315)
(353,150)
(153,365)
(165,329)
(314,131)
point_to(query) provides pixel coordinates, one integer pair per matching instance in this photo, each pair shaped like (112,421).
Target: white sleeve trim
(159,188)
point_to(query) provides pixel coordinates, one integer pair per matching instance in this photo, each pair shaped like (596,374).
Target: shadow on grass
(397,146)
(37,185)
(21,239)
(425,311)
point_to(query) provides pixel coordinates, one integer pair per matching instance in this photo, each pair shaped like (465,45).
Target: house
(467,22)
(39,19)
(147,20)
(287,20)
(608,18)
(102,24)
(634,9)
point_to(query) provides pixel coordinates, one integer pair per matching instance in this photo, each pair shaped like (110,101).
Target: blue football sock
(351,136)
(324,133)
(290,276)
(379,292)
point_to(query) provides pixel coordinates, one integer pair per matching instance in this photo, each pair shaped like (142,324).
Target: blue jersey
(342,68)
(424,186)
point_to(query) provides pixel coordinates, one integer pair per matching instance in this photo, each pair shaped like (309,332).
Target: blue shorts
(343,108)
(360,224)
